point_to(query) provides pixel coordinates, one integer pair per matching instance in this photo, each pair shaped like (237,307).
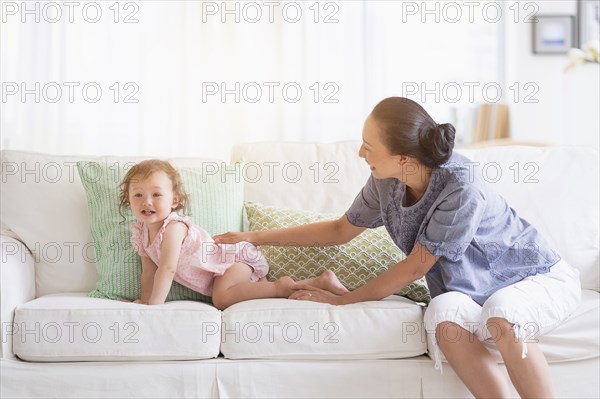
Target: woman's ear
(402,160)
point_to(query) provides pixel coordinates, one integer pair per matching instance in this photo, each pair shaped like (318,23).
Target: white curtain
(185,78)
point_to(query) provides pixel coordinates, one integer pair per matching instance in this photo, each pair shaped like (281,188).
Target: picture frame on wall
(553,34)
(588,18)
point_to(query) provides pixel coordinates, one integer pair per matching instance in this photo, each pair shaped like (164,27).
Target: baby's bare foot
(329,281)
(283,286)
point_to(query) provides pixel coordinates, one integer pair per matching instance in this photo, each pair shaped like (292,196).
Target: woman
(490,273)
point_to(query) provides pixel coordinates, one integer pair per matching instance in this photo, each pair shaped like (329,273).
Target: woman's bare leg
(471,361)
(530,376)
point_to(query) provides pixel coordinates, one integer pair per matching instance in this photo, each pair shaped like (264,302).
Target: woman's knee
(448,332)
(500,314)
(499,328)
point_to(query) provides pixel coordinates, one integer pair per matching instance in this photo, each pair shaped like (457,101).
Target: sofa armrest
(17,286)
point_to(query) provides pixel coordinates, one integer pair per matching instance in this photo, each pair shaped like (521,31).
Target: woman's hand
(309,293)
(140,302)
(234,237)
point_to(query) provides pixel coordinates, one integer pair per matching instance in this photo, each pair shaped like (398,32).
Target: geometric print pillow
(355,263)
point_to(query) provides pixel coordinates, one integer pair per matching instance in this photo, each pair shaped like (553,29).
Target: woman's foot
(329,281)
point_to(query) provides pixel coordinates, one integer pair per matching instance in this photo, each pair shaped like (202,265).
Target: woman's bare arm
(415,266)
(332,232)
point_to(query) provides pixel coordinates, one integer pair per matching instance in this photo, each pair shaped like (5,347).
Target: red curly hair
(146,168)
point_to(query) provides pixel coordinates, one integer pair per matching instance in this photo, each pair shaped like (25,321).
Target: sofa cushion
(579,336)
(288,329)
(355,263)
(74,327)
(216,204)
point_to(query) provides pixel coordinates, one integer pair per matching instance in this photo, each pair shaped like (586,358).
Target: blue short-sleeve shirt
(482,243)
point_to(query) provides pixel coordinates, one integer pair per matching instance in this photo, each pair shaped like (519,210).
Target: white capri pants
(534,305)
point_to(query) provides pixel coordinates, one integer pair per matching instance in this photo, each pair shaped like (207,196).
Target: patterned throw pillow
(216,205)
(355,263)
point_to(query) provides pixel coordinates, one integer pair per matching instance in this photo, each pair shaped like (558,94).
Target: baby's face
(152,198)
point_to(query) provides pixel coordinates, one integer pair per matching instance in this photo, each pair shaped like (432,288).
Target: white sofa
(57,342)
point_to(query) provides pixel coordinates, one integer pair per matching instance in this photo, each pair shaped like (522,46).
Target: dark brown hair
(409,130)
(143,170)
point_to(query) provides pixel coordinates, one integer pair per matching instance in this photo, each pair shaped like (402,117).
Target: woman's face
(383,164)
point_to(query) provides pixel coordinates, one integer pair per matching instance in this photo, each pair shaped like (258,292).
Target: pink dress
(201,259)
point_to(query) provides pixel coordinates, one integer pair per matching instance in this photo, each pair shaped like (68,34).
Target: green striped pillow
(355,263)
(216,205)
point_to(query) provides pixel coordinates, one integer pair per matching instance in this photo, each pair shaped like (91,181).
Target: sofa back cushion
(554,188)
(43,202)
(319,177)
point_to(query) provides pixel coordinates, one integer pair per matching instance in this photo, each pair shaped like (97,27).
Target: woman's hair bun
(437,142)
(409,130)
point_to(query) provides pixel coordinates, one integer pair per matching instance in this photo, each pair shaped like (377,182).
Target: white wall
(375,50)
(568,103)
(343,56)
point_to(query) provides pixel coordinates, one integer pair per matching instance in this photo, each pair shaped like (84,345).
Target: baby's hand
(140,302)
(232,238)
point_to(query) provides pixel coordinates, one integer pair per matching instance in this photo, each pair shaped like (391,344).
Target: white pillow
(43,203)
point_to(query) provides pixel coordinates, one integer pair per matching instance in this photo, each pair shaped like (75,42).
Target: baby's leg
(235,286)
(327,281)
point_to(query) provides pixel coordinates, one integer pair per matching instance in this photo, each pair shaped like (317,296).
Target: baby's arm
(147,280)
(170,250)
